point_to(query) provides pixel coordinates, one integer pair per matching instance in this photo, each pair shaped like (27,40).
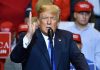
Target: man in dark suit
(32,50)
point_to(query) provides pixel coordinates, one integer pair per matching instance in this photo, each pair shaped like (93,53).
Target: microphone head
(50,33)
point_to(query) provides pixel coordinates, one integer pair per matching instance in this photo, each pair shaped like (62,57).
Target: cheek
(42,23)
(42,26)
(80,17)
(87,17)
(54,26)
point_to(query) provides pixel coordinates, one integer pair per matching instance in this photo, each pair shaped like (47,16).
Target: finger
(34,26)
(30,17)
(30,20)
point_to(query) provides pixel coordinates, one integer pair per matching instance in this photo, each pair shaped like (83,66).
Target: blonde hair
(50,8)
(42,2)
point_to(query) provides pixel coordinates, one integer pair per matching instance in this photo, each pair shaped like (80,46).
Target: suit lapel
(57,47)
(42,46)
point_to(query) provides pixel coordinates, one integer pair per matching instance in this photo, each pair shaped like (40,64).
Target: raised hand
(32,25)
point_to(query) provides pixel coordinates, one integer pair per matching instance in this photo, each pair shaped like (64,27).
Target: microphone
(50,33)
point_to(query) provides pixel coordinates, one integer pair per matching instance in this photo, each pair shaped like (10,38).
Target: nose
(49,21)
(85,14)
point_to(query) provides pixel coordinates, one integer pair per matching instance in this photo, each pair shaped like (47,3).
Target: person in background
(7,26)
(72,3)
(89,35)
(33,50)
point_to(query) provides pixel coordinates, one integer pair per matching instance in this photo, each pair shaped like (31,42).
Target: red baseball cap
(23,27)
(6,26)
(83,6)
(77,38)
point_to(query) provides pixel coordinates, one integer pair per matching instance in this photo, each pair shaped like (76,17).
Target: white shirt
(27,41)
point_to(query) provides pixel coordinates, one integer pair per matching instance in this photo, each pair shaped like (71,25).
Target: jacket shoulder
(64,32)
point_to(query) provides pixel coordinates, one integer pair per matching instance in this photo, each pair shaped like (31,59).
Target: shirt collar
(46,37)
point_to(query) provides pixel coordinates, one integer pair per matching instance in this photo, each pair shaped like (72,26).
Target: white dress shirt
(26,40)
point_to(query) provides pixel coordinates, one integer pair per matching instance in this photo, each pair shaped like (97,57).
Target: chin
(45,32)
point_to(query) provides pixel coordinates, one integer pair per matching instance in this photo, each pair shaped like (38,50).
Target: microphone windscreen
(50,33)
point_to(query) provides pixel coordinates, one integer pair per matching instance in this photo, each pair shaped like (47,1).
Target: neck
(80,26)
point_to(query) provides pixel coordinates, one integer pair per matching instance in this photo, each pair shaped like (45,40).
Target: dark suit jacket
(36,56)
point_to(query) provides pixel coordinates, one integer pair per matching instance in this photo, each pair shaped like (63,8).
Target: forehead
(47,13)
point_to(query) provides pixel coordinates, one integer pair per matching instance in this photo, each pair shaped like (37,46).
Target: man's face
(82,18)
(46,20)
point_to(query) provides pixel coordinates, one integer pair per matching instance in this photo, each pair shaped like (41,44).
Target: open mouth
(48,27)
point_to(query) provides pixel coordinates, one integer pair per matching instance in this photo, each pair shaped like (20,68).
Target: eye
(43,17)
(54,18)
